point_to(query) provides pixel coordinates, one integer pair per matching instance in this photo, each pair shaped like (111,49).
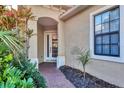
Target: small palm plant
(84,58)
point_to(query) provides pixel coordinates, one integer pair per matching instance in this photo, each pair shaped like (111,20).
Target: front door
(51,46)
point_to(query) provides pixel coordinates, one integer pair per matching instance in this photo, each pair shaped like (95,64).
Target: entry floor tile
(54,77)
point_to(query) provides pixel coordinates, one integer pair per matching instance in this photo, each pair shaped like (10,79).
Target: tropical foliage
(30,70)
(17,20)
(16,70)
(23,15)
(10,76)
(9,38)
(7,19)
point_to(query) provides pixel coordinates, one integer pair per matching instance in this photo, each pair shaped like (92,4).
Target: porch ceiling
(73,11)
(45,21)
(62,8)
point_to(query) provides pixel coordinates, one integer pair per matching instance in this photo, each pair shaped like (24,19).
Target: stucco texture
(77,32)
(40,38)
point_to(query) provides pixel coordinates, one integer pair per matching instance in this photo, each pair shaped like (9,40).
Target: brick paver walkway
(54,77)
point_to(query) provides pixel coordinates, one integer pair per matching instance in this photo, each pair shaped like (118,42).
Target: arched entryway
(47,39)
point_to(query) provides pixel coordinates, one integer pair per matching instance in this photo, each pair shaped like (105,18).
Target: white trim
(60,61)
(108,58)
(44,49)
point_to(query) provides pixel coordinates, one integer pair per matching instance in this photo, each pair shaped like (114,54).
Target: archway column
(61,45)
(33,55)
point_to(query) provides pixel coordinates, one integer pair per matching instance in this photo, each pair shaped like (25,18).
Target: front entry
(50,46)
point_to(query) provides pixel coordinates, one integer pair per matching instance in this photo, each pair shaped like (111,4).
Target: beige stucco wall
(33,40)
(77,32)
(40,37)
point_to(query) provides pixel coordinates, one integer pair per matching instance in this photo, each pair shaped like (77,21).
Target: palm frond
(84,57)
(11,42)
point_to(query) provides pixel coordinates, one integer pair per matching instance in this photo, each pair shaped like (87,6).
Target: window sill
(108,58)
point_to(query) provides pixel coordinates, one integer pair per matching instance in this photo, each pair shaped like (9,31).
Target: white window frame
(119,59)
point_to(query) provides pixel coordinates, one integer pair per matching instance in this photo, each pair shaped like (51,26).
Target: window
(106,33)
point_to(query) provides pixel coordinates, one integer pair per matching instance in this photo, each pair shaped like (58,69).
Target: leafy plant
(29,69)
(38,79)
(13,78)
(2,9)
(23,15)
(17,19)
(16,70)
(13,44)
(3,49)
(28,83)
(84,58)
(7,84)
(7,19)
(5,61)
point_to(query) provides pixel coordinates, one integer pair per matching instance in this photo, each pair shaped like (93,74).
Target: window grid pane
(105,27)
(98,29)
(114,14)
(105,17)
(106,49)
(98,40)
(98,20)
(114,25)
(114,38)
(107,33)
(114,49)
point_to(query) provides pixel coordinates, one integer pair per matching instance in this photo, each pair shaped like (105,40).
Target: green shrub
(8,39)
(3,48)
(38,79)
(29,69)
(12,77)
(5,61)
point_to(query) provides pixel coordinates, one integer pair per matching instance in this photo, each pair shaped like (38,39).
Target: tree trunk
(26,38)
(84,76)
(27,50)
